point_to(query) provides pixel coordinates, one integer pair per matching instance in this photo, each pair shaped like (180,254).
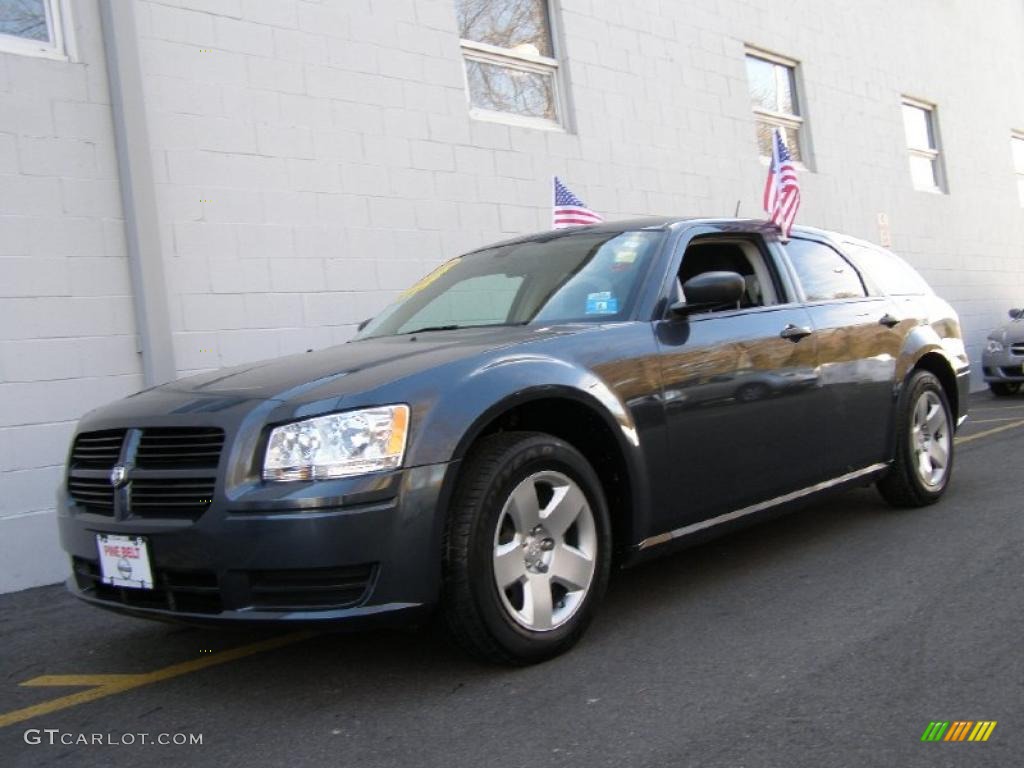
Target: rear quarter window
(887,271)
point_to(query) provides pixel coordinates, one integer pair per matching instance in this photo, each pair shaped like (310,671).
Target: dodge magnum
(516,424)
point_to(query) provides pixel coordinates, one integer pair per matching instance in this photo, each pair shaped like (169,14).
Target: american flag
(569,210)
(782,188)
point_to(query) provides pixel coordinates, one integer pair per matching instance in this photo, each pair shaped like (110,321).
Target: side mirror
(363,324)
(1016,314)
(709,290)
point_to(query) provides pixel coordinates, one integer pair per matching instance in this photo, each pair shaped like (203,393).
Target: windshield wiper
(435,328)
(460,327)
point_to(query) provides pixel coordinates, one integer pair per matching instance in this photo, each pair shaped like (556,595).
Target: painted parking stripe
(108,685)
(987,432)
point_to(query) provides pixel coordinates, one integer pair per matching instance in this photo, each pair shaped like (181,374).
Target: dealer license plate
(124,561)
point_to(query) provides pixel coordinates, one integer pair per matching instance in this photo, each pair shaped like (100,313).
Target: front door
(743,405)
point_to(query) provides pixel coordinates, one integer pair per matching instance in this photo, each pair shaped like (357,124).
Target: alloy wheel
(545,551)
(930,439)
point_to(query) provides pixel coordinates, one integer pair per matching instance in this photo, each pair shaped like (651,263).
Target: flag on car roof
(782,188)
(569,210)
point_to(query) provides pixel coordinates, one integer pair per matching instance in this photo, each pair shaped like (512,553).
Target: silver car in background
(1003,359)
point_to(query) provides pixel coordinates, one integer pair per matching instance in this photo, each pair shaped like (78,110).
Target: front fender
(464,410)
(456,418)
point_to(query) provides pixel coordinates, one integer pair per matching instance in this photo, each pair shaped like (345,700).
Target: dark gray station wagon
(515,424)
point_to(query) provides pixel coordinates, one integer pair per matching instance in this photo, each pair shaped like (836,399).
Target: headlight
(339,445)
(994,346)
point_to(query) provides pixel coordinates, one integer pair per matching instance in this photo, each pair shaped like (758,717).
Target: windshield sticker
(423,283)
(602,303)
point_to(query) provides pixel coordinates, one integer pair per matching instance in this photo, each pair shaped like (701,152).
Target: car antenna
(736,215)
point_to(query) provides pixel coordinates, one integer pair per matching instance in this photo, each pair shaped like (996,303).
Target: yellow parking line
(108,685)
(987,432)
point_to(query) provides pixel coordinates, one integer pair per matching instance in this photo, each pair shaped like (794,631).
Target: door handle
(889,321)
(795,332)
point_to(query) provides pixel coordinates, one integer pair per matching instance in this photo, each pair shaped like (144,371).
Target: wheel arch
(584,423)
(937,364)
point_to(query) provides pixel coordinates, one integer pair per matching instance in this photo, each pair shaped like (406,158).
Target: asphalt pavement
(830,637)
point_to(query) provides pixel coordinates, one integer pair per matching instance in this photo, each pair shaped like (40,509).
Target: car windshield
(580,277)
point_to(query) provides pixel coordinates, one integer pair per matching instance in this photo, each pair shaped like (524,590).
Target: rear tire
(923,464)
(527,549)
(1004,389)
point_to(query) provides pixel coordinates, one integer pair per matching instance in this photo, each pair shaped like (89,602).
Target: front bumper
(1002,367)
(357,551)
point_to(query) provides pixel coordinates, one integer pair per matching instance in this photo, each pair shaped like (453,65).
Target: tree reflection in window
(512,24)
(505,89)
(24,18)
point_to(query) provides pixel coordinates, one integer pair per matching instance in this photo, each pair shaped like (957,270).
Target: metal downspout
(138,193)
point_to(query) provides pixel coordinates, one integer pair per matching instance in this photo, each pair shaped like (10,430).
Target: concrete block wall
(67,334)
(314,157)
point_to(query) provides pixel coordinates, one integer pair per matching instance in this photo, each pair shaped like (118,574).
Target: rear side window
(887,270)
(824,274)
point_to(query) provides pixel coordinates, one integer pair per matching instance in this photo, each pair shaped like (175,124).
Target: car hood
(1010,333)
(356,366)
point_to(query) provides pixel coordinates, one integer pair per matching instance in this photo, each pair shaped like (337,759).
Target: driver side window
(731,254)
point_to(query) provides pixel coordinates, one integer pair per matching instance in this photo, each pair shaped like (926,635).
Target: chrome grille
(97,450)
(171,497)
(95,494)
(179,448)
(1017,348)
(171,471)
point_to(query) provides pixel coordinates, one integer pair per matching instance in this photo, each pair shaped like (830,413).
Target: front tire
(527,549)
(1004,389)
(923,464)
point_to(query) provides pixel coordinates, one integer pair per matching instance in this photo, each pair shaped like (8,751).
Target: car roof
(656,223)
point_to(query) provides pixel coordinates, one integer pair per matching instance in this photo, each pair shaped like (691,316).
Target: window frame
(1018,173)
(552,66)
(932,154)
(798,282)
(796,121)
(58,47)
(783,284)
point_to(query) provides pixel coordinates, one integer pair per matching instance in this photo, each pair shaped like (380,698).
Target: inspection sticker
(602,303)
(124,561)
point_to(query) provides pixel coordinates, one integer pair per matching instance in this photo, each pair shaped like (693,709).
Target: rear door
(740,389)
(858,345)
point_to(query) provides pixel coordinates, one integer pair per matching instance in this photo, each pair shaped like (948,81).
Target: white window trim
(932,154)
(58,21)
(796,120)
(507,57)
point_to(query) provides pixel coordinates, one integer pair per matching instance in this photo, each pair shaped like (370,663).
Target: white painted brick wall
(67,340)
(320,155)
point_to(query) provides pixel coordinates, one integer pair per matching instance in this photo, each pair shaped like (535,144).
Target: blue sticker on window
(602,303)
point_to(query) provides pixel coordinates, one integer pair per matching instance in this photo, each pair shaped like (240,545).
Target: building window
(32,27)
(511,61)
(773,92)
(1017,145)
(923,145)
